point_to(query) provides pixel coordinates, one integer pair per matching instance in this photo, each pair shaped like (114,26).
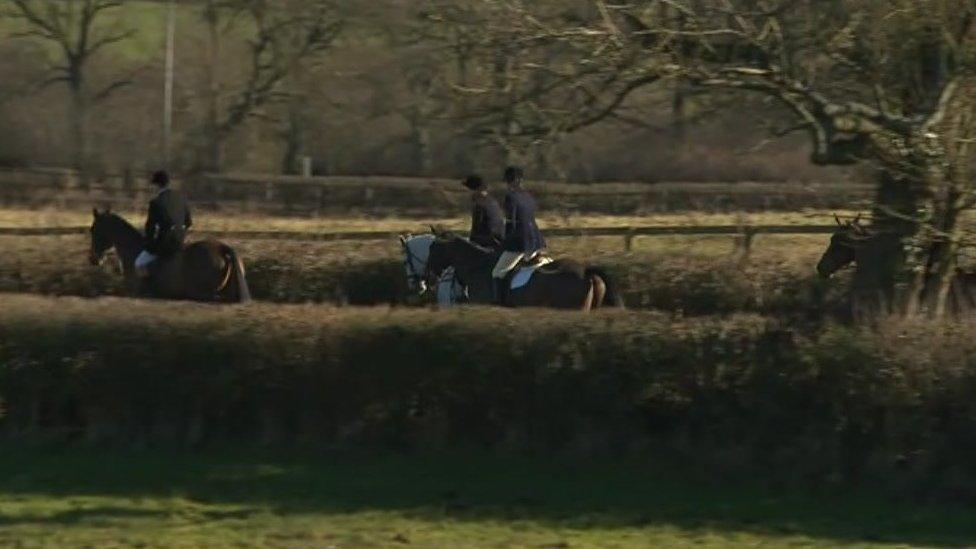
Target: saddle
(522,272)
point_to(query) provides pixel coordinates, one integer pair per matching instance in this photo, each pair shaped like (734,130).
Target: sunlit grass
(218,499)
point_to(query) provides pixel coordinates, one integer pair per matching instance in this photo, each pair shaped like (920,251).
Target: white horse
(416,251)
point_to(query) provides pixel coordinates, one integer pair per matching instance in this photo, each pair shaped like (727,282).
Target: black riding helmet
(514,175)
(160,178)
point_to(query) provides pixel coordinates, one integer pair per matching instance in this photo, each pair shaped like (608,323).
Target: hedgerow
(738,392)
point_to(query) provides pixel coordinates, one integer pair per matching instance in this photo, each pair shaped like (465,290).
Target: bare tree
(73,28)
(283,35)
(891,83)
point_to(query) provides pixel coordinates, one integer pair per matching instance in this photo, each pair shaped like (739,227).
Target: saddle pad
(524,275)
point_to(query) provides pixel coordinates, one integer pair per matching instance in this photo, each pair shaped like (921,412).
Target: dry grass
(222,222)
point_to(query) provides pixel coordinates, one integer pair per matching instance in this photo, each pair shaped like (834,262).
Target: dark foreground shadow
(589,494)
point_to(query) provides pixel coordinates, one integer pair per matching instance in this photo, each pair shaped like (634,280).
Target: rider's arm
(150,231)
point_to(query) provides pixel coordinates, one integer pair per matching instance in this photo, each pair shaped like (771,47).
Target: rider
(166,225)
(523,239)
(487,219)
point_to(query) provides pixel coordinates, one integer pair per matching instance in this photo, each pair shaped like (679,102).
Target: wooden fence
(745,233)
(319,196)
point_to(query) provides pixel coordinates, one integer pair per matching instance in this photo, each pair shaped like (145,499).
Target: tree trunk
(877,276)
(678,108)
(79,123)
(935,261)
(294,141)
(421,136)
(944,254)
(212,148)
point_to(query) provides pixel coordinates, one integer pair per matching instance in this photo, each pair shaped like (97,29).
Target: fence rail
(745,232)
(414,196)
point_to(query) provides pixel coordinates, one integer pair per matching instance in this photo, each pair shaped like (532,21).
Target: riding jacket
(167,222)
(522,234)
(487,222)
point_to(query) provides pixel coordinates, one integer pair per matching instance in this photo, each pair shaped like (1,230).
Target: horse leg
(588,301)
(599,291)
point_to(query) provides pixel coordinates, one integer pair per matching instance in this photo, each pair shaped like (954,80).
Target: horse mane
(118,223)
(466,242)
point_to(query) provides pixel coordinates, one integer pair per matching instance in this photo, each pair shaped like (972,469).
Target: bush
(738,392)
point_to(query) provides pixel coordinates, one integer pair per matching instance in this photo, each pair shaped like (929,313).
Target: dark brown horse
(880,259)
(563,284)
(203,271)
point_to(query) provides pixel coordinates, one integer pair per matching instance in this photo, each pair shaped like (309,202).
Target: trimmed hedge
(738,392)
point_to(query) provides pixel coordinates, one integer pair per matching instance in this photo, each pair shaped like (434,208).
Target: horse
(562,284)
(416,251)
(880,259)
(207,270)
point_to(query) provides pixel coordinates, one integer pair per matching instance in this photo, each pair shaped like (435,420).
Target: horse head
(416,251)
(843,247)
(101,236)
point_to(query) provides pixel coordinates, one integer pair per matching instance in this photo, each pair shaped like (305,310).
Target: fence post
(744,241)
(629,239)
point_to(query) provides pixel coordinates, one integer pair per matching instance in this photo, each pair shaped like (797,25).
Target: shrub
(740,391)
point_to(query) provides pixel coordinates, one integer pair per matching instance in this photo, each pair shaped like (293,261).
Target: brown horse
(563,284)
(203,271)
(879,259)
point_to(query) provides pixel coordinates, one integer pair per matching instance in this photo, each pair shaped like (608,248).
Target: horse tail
(237,267)
(613,297)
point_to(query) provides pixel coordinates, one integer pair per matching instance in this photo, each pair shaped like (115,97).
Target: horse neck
(418,251)
(468,258)
(127,241)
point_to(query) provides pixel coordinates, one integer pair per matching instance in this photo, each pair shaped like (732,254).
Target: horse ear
(839,222)
(95,212)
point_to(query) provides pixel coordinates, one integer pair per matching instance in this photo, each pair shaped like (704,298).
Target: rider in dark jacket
(523,239)
(487,219)
(166,224)
(522,234)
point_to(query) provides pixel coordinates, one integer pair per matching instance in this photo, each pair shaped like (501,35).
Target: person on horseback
(166,224)
(487,219)
(523,239)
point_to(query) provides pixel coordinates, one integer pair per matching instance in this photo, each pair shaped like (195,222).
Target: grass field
(84,498)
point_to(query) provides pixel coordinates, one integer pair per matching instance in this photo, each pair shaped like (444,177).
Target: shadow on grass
(594,494)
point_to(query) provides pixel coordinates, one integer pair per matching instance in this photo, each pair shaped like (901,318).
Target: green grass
(79,497)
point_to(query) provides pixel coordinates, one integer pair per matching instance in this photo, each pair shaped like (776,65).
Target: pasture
(733,412)
(230,498)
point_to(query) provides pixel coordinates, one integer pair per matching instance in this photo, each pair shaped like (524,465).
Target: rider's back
(523,234)
(169,219)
